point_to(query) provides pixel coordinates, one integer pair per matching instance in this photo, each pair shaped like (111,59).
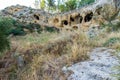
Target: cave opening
(75,27)
(56,20)
(81,18)
(35,21)
(88,17)
(77,16)
(16,10)
(65,22)
(72,19)
(36,17)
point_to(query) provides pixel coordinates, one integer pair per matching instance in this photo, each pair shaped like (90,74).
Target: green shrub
(4,43)
(17,28)
(31,27)
(111,41)
(17,31)
(50,29)
(5,25)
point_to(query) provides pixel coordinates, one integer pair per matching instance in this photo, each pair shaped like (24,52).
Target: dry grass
(47,54)
(24,43)
(48,65)
(103,38)
(64,51)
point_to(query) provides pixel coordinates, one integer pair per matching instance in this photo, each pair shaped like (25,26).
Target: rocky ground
(98,67)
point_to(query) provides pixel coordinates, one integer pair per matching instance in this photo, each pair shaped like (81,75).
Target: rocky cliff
(83,18)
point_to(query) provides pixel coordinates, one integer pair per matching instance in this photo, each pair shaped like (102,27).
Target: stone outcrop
(85,17)
(26,14)
(101,66)
(82,18)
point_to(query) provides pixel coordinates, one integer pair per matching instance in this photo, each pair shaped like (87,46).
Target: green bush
(111,41)
(11,26)
(17,28)
(5,25)
(51,29)
(4,43)
(17,31)
(31,27)
(85,2)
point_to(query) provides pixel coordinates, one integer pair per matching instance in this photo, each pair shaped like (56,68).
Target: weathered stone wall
(81,18)
(84,17)
(26,14)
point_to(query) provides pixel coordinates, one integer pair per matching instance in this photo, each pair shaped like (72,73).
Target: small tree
(51,4)
(71,4)
(68,5)
(42,4)
(5,24)
(84,2)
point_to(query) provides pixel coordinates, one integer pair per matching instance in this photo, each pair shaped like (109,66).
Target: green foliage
(62,8)
(68,5)
(111,41)
(17,31)
(5,24)
(71,4)
(17,28)
(42,4)
(4,43)
(31,27)
(51,4)
(62,5)
(50,29)
(85,2)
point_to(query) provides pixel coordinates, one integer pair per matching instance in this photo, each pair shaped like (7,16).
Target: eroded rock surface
(99,67)
(81,18)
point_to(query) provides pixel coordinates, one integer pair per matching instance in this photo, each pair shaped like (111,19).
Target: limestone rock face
(26,14)
(83,18)
(99,67)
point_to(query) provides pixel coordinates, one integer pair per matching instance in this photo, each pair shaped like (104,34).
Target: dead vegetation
(64,51)
(46,54)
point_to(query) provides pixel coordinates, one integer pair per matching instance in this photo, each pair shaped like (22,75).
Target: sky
(6,3)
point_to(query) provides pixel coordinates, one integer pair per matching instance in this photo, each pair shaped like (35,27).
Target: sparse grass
(23,43)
